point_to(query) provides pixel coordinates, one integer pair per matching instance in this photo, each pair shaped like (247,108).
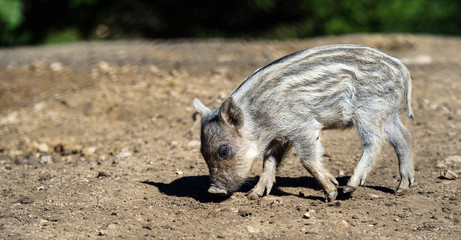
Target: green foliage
(10,13)
(327,17)
(55,21)
(264,5)
(63,36)
(10,18)
(75,4)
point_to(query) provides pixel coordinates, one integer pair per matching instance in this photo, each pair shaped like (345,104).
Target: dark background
(56,21)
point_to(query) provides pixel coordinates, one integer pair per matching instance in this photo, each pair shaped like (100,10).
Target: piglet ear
(231,114)
(201,109)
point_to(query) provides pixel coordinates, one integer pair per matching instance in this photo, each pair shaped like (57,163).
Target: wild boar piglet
(290,101)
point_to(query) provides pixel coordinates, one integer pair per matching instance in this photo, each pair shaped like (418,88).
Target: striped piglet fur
(290,101)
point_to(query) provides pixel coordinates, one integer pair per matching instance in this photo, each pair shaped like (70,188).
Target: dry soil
(100,140)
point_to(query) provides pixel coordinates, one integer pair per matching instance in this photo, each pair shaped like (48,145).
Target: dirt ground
(98,140)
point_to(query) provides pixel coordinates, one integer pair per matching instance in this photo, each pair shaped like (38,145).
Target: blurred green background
(56,21)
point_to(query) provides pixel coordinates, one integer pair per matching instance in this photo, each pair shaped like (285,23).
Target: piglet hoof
(401,191)
(334,181)
(330,197)
(217,190)
(349,189)
(253,196)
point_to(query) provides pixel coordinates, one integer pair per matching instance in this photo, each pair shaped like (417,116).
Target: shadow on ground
(196,187)
(193,186)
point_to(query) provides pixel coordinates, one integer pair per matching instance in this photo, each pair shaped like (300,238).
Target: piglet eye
(225,151)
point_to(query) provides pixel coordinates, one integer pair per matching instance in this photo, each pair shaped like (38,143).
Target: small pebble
(42,221)
(125,153)
(441,165)
(194,144)
(43,147)
(46,159)
(373,196)
(251,229)
(102,174)
(448,174)
(307,215)
(56,66)
(341,173)
(26,200)
(104,66)
(88,151)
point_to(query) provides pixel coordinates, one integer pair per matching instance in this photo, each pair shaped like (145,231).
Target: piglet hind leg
(399,137)
(310,153)
(372,137)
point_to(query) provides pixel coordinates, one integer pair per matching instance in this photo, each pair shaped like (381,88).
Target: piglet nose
(218,190)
